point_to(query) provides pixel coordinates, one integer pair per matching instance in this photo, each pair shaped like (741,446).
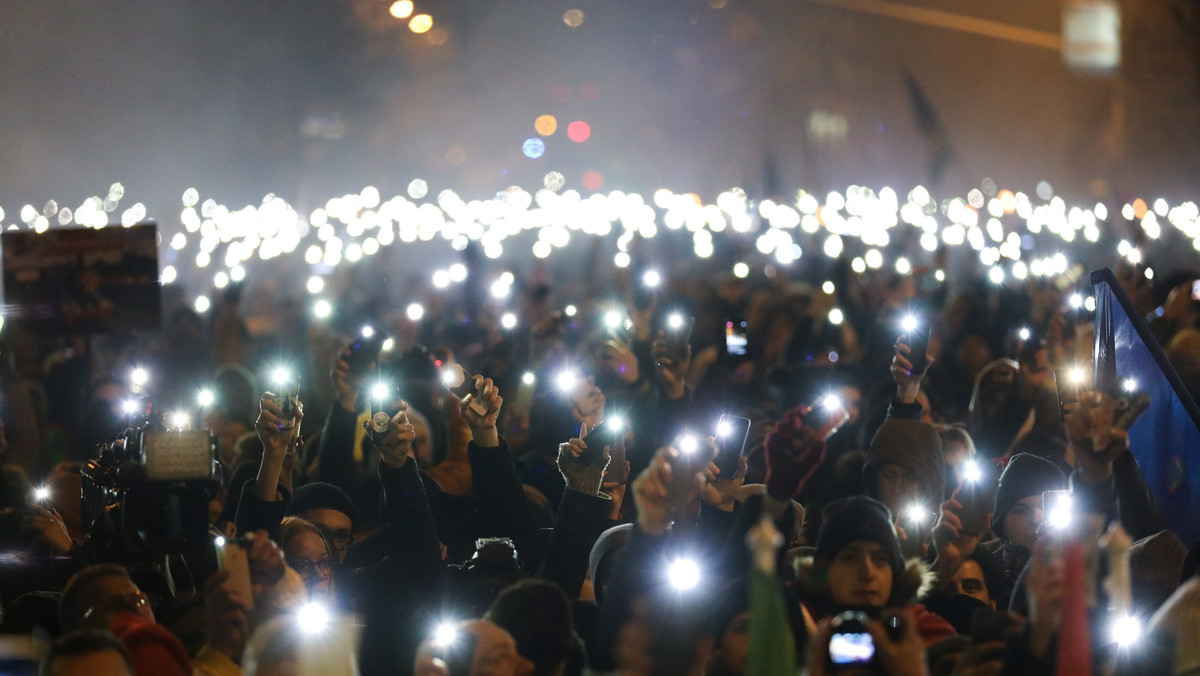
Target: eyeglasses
(304,566)
(340,540)
(132,602)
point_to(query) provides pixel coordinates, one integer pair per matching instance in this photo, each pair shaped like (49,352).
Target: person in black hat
(1017,514)
(858,563)
(330,509)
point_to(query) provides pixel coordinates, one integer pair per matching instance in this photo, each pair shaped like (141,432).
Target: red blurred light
(579,131)
(593,180)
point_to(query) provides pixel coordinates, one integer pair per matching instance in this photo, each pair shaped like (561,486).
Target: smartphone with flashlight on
(694,454)
(976,494)
(850,644)
(606,433)
(289,401)
(365,349)
(383,397)
(679,334)
(233,555)
(458,381)
(1131,403)
(732,432)
(918,344)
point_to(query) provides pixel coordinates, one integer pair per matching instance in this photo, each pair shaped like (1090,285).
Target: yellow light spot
(573,18)
(401,9)
(546,125)
(420,23)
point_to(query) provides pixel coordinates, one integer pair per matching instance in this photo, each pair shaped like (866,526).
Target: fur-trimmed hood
(916,579)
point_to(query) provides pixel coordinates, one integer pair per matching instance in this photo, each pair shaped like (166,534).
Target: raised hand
(655,495)
(395,444)
(580,475)
(483,426)
(908,382)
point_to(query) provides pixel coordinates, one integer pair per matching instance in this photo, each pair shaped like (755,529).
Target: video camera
(147,492)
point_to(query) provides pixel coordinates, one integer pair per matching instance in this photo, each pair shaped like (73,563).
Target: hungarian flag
(1165,439)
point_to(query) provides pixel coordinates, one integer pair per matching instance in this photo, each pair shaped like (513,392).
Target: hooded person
(1017,514)
(858,564)
(904,465)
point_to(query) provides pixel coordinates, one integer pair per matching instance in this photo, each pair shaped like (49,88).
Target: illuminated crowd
(849,467)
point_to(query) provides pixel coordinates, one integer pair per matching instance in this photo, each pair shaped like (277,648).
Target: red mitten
(793,452)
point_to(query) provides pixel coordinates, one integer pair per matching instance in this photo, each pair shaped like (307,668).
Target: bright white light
(139,376)
(449,377)
(996,275)
(613,319)
(1024,333)
(916,513)
(202,304)
(179,419)
(322,309)
(281,376)
(616,424)
(675,321)
(570,311)
(724,428)
(651,278)
(312,618)
(441,279)
(1077,376)
(169,274)
(388,345)
(1059,515)
(458,272)
(367,331)
(205,398)
(831,402)
(41,493)
(445,634)
(219,541)
(500,290)
(529,378)
(828,287)
(566,381)
(1076,300)
(1126,631)
(130,406)
(836,317)
(508,320)
(741,270)
(687,444)
(379,391)
(414,311)
(909,323)
(1130,385)
(683,574)
(971,471)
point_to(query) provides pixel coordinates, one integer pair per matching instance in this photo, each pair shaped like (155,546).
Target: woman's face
(307,555)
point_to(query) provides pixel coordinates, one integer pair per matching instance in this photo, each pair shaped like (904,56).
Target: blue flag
(1165,439)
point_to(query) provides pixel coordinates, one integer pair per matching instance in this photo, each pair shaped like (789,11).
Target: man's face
(1022,521)
(496,652)
(861,574)
(896,487)
(99,663)
(336,526)
(968,581)
(109,596)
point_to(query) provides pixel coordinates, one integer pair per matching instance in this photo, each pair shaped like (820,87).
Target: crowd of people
(714,475)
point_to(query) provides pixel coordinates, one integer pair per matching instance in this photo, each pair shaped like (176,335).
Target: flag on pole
(1165,439)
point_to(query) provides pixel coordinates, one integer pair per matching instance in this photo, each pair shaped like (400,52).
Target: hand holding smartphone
(732,432)
(233,556)
(458,381)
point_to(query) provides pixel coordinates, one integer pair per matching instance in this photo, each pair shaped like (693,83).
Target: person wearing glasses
(308,553)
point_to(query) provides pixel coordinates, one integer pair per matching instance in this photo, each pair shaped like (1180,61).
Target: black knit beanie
(321,495)
(858,518)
